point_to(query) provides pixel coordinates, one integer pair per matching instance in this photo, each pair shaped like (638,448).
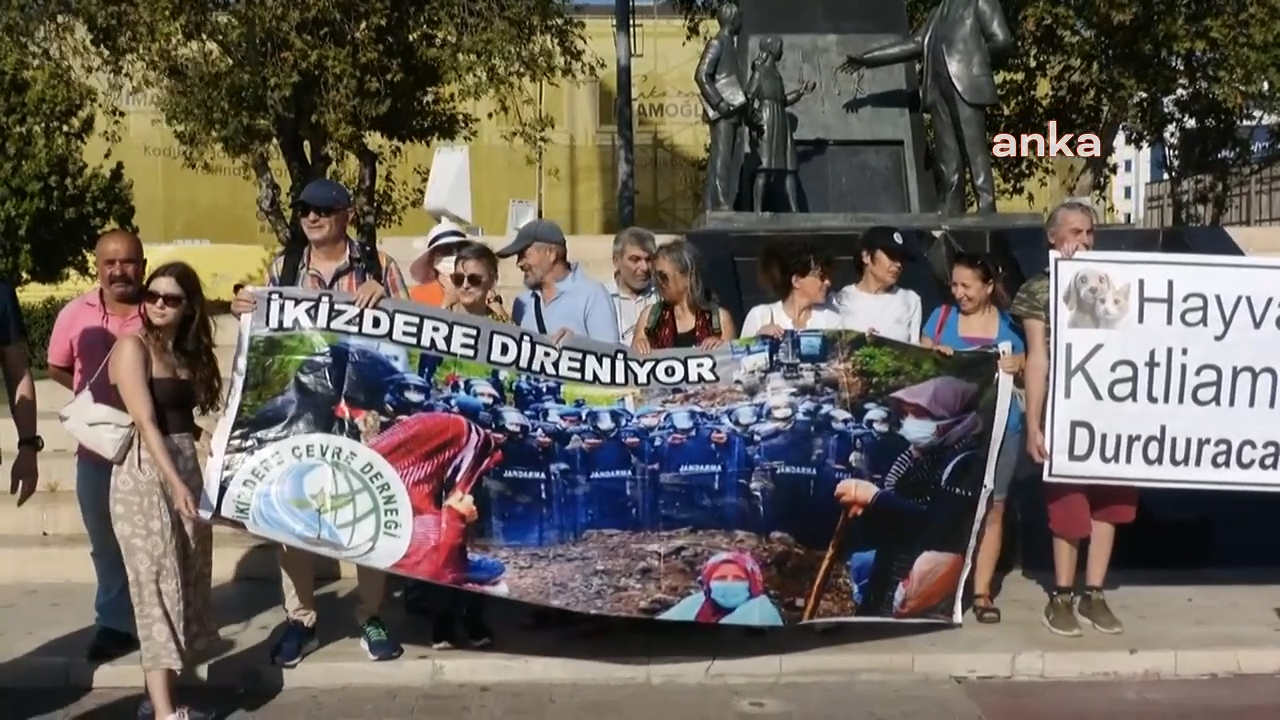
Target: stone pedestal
(860,145)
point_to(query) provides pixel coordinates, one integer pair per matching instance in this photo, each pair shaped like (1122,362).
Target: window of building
(1128,218)
(1128,192)
(1128,166)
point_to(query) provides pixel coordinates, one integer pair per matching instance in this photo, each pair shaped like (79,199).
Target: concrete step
(65,558)
(1256,240)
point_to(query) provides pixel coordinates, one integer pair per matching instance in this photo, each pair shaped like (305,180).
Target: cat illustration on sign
(1094,301)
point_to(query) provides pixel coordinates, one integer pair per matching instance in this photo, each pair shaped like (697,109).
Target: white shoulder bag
(104,430)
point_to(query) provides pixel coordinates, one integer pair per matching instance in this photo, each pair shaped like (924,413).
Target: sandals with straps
(985,611)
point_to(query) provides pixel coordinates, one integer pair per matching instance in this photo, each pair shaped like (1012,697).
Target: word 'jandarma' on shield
(518,350)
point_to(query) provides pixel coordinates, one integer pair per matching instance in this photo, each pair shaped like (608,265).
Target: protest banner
(822,476)
(1163,371)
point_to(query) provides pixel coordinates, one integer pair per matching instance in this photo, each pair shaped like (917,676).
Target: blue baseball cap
(324,193)
(534,231)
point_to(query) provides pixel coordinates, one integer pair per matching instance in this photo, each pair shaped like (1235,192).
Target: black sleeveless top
(686,339)
(175,401)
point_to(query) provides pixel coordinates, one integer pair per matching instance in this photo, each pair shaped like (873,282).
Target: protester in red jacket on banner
(440,457)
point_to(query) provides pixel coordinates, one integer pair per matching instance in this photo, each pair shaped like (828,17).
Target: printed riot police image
(825,476)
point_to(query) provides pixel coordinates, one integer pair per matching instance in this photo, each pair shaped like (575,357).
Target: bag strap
(943,316)
(715,320)
(655,315)
(537,313)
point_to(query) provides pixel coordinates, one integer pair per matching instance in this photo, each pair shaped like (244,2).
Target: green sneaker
(1060,616)
(1094,610)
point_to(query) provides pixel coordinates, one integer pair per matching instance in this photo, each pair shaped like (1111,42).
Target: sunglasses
(324,212)
(469,279)
(169,300)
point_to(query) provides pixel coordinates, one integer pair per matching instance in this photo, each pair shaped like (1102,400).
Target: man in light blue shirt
(561,300)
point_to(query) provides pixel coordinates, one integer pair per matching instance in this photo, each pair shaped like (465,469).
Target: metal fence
(1251,201)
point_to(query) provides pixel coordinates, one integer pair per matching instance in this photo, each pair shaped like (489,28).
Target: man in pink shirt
(83,335)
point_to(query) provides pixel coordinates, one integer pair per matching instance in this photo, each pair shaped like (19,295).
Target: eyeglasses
(169,300)
(324,212)
(469,279)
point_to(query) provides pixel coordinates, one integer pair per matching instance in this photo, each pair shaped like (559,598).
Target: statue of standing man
(955,47)
(771,136)
(724,106)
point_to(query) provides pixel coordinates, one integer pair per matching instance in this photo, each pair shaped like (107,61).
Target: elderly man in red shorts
(1076,512)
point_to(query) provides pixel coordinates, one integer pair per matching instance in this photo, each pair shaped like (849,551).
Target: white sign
(326,493)
(1163,371)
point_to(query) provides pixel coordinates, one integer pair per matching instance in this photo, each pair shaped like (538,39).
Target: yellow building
(578,180)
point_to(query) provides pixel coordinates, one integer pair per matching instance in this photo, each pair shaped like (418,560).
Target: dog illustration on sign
(1094,300)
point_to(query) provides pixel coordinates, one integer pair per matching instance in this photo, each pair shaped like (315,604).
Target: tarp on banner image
(1163,371)
(823,476)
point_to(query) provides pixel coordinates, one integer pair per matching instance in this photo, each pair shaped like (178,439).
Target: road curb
(483,669)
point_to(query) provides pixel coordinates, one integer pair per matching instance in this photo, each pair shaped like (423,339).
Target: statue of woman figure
(771,136)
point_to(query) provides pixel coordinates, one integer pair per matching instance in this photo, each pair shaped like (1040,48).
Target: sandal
(984,611)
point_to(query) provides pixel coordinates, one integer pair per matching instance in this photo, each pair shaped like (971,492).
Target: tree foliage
(53,202)
(1187,72)
(336,87)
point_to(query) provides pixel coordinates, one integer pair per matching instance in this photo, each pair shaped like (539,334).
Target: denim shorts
(1007,463)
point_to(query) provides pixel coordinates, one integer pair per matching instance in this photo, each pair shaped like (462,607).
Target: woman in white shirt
(799,272)
(875,304)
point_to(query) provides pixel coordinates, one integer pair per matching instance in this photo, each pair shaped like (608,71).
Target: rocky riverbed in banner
(643,574)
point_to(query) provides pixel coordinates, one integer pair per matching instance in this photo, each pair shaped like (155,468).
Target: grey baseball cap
(534,231)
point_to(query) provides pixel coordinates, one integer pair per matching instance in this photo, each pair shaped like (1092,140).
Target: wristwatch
(35,442)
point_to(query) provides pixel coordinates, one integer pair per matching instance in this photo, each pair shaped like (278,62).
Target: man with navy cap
(330,260)
(561,301)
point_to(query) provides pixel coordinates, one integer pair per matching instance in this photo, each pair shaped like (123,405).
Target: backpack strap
(292,261)
(715,320)
(370,261)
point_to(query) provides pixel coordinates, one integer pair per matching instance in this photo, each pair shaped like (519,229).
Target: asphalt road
(1253,698)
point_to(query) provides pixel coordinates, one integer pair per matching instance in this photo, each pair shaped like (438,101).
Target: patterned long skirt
(169,559)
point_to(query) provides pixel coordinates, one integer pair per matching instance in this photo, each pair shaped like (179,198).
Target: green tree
(53,202)
(1189,70)
(886,369)
(337,87)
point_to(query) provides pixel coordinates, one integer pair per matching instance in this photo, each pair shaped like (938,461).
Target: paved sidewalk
(1203,627)
(1252,698)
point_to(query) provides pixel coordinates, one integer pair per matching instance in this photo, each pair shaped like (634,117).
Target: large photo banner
(1163,371)
(820,476)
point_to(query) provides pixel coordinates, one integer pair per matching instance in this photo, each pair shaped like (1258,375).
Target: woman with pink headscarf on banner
(918,523)
(731,592)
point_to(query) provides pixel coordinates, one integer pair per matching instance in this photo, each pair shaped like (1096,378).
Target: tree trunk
(269,207)
(366,194)
(1092,176)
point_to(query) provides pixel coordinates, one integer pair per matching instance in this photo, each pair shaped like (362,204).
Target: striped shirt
(347,277)
(627,308)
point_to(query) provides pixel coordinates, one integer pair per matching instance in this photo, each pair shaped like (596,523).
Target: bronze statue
(724,105)
(771,137)
(955,48)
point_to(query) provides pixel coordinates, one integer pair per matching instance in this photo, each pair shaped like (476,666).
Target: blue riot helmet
(571,416)
(840,419)
(684,420)
(781,409)
(650,417)
(603,420)
(551,413)
(744,416)
(809,408)
(409,395)
(580,403)
(877,419)
(484,391)
(513,422)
